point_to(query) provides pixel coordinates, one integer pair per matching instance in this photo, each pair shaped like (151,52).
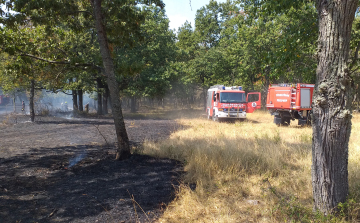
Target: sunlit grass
(354,158)
(250,171)
(164,113)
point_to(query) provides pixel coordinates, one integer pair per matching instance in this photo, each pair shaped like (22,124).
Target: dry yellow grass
(250,171)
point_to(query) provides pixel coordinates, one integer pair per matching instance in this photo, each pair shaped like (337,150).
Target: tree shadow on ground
(84,184)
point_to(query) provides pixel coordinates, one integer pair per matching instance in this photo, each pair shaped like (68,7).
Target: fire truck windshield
(232,97)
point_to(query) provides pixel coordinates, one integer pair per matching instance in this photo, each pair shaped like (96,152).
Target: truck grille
(233,110)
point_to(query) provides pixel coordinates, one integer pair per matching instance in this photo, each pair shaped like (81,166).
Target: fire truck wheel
(285,121)
(308,118)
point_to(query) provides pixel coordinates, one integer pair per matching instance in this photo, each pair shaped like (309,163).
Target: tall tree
(332,104)
(144,64)
(116,22)
(122,137)
(332,98)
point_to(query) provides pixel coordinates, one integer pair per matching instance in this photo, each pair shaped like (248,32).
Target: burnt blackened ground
(63,170)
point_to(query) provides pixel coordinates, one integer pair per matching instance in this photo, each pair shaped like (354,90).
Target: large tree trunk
(332,105)
(123,150)
(31,104)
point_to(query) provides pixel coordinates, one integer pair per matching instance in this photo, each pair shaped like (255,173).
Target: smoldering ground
(63,170)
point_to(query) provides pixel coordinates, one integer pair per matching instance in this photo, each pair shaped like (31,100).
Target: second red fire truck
(230,103)
(289,102)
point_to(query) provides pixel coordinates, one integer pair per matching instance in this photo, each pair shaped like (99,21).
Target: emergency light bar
(222,87)
(283,85)
(234,88)
(291,85)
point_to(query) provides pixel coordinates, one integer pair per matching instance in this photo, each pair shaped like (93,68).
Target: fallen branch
(271,188)
(97,127)
(53,212)
(134,202)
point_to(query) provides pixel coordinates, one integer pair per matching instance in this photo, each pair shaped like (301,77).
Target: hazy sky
(178,11)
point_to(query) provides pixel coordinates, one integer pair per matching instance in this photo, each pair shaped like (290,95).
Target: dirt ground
(62,169)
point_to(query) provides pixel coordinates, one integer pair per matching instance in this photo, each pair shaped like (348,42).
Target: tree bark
(332,105)
(81,103)
(31,103)
(123,150)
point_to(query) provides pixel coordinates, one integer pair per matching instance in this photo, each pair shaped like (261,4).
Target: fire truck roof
(222,87)
(291,85)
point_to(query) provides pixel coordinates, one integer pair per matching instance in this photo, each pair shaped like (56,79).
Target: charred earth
(62,169)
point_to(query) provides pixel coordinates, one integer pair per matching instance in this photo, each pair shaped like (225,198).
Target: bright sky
(178,11)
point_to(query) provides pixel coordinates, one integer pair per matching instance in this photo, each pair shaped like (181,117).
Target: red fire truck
(230,102)
(289,102)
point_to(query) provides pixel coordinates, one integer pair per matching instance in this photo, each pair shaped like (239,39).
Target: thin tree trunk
(75,101)
(133,104)
(128,103)
(105,101)
(31,103)
(204,97)
(14,104)
(99,104)
(265,87)
(123,150)
(332,105)
(109,98)
(100,86)
(81,102)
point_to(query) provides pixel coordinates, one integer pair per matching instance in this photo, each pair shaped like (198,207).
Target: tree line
(232,43)
(122,48)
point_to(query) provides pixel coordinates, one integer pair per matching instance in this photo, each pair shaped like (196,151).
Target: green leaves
(143,65)
(250,43)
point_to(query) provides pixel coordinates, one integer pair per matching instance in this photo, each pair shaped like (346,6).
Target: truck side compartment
(289,102)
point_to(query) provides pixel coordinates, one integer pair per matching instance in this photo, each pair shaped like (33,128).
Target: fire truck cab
(230,103)
(289,102)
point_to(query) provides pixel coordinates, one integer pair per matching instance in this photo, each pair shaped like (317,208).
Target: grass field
(251,171)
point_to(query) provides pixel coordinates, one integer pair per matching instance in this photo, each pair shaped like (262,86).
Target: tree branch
(64,92)
(356,57)
(62,62)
